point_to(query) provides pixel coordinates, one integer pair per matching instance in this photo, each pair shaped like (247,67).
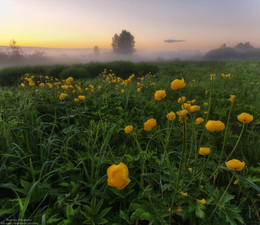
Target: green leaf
(69,211)
(253,185)
(199,211)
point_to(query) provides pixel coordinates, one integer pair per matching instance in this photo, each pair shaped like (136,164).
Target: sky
(195,24)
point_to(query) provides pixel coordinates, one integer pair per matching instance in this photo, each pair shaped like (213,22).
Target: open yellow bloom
(194,108)
(69,80)
(128,129)
(178,84)
(182,99)
(245,118)
(199,120)
(159,95)
(201,201)
(182,113)
(232,98)
(204,151)
(213,125)
(81,97)
(122,91)
(22,85)
(171,116)
(235,165)
(149,124)
(190,169)
(139,90)
(185,194)
(62,96)
(41,85)
(118,176)
(186,106)
(76,100)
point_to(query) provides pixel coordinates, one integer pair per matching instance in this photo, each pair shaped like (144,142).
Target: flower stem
(221,198)
(236,143)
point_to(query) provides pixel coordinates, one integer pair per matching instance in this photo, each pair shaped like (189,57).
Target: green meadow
(78,146)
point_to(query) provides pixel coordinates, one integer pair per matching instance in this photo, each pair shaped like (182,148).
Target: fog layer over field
(40,56)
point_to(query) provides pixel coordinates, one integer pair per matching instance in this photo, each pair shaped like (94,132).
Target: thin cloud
(173,41)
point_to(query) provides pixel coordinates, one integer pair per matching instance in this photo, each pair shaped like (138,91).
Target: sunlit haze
(199,24)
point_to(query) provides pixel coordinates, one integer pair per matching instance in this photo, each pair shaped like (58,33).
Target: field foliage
(62,127)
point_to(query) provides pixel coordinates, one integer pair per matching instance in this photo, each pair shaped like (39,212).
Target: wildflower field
(178,146)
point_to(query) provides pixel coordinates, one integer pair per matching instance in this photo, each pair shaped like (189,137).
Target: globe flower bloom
(22,84)
(235,165)
(41,85)
(199,120)
(182,113)
(232,98)
(194,108)
(185,194)
(245,118)
(62,96)
(81,97)
(186,106)
(149,124)
(179,210)
(128,129)
(182,99)
(236,182)
(159,95)
(171,116)
(139,90)
(213,125)
(204,151)
(201,201)
(118,176)
(178,84)
(69,80)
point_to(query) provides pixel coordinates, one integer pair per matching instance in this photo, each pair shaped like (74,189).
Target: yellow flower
(22,85)
(86,89)
(199,120)
(185,194)
(213,125)
(193,101)
(128,129)
(212,76)
(186,106)
(182,113)
(201,201)
(171,116)
(31,84)
(81,97)
(69,80)
(235,165)
(122,91)
(232,98)
(245,118)
(205,103)
(41,85)
(50,85)
(139,90)
(62,96)
(236,181)
(182,99)
(159,95)
(118,176)
(76,100)
(91,86)
(65,87)
(179,210)
(204,151)
(178,84)
(99,87)
(194,108)
(190,169)
(149,124)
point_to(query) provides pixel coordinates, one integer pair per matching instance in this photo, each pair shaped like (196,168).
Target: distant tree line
(242,51)
(14,55)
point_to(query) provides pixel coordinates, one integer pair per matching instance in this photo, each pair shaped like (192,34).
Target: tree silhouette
(123,43)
